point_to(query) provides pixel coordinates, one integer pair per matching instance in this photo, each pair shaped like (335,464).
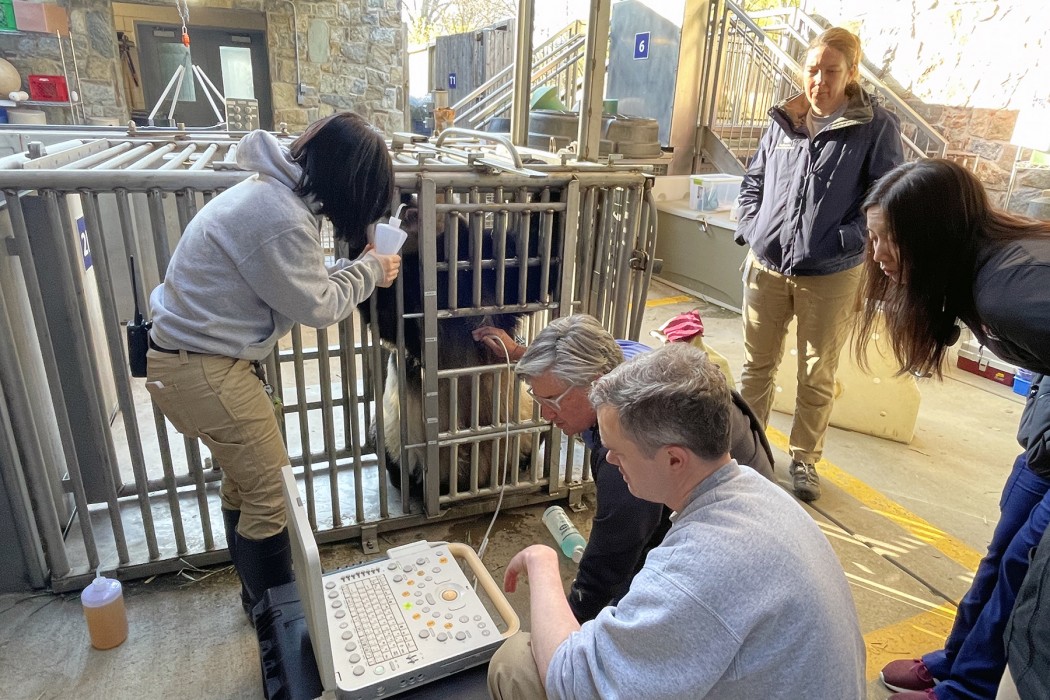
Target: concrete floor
(907,521)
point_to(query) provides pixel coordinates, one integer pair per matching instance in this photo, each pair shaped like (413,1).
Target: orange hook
(186,39)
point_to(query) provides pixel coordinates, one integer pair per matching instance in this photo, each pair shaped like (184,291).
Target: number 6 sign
(641,46)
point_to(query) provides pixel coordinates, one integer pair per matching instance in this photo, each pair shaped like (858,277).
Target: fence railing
(557,62)
(750,68)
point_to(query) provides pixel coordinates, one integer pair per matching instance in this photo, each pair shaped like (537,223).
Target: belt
(160,349)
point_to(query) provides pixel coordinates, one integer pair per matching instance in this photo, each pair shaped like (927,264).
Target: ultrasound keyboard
(380,628)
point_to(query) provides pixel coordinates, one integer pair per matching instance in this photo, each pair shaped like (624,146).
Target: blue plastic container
(1023,381)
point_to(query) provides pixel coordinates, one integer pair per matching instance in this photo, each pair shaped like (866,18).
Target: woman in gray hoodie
(247,268)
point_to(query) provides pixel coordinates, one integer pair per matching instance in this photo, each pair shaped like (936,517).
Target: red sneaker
(906,675)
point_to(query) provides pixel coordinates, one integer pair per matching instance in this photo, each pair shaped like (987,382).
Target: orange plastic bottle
(107,618)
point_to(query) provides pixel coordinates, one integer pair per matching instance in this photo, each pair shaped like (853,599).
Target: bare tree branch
(428,19)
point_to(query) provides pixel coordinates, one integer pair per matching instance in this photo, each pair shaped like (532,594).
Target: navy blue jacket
(800,202)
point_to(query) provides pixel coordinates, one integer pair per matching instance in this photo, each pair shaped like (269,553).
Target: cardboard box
(40,17)
(980,361)
(714,192)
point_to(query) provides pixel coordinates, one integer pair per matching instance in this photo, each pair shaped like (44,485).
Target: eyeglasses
(551,402)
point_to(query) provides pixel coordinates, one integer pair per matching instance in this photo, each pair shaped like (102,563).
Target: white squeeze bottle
(568,537)
(107,618)
(389,237)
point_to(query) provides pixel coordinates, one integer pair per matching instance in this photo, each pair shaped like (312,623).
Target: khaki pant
(512,671)
(825,306)
(221,401)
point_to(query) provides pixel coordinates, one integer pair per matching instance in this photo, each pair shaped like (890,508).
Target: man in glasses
(743,599)
(560,366)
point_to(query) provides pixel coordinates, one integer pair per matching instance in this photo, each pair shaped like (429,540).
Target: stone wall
(967,66)
(350,57)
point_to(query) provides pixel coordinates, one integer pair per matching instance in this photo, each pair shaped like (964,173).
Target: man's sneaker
(804,480)
(905,675)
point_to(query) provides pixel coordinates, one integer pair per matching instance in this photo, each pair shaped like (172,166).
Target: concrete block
(874,403)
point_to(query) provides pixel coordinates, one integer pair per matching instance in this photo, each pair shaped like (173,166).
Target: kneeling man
(744,597)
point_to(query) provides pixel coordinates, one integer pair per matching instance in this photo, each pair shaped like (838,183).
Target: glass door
(235,61)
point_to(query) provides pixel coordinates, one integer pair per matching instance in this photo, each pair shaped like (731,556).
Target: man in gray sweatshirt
(744,597)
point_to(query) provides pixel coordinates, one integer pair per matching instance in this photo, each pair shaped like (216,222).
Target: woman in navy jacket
(941,254)
(801,215)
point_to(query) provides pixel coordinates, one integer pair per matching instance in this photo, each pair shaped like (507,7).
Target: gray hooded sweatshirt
(250,265)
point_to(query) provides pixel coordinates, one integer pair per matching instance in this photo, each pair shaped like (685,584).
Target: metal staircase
(557,62)
(753,62)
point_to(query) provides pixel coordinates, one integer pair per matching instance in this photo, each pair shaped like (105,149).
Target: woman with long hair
(941,254)
(248,266)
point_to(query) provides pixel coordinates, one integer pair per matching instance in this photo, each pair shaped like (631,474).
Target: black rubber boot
(264,564)
(230,518)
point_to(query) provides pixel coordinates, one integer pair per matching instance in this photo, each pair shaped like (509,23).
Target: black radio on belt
(138,333)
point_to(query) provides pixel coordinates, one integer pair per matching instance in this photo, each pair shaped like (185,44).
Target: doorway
(234,60)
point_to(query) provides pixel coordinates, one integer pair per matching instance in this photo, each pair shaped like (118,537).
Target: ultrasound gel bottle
(565,533)
(107,618)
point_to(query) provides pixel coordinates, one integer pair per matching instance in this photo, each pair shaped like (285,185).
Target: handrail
(884,91)
(501,139)
(499,100)
(543,51)
(552,59)
(752,67)
(500,81)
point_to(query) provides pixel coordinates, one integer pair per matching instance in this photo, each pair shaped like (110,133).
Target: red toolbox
(48,88)
(980,361)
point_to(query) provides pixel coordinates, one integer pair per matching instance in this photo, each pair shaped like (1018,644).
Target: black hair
(347,169)
(938,215)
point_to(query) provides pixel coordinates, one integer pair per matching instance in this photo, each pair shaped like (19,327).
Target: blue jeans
(973,659)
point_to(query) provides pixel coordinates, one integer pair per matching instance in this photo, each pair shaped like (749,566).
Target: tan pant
(825,306)
(221,401)
(512,671)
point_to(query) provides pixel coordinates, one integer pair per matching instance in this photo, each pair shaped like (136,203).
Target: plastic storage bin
(714,192)
(7,18)
(48,88)
(1023,381)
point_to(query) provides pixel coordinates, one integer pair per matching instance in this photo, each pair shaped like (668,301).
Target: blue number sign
(641,46)
(451,81)
(85,248)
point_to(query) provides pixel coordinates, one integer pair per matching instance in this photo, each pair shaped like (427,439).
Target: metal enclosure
(575,238)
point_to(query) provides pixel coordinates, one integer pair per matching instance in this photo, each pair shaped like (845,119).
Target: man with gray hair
(560,365)
(744,597)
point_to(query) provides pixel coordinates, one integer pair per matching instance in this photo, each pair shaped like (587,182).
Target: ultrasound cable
(506,458)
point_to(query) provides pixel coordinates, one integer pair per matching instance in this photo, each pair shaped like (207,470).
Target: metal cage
(104,479)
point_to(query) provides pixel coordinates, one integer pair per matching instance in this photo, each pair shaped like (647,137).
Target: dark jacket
(1028,629)
(800,202)
(1013,304)
(1012,296)
(626,527)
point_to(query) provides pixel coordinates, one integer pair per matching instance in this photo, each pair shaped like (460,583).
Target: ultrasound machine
(392,624)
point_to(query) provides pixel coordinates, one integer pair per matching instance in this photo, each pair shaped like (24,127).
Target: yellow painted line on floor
(922,632)
(665,301)
(907,639)
(954,549)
